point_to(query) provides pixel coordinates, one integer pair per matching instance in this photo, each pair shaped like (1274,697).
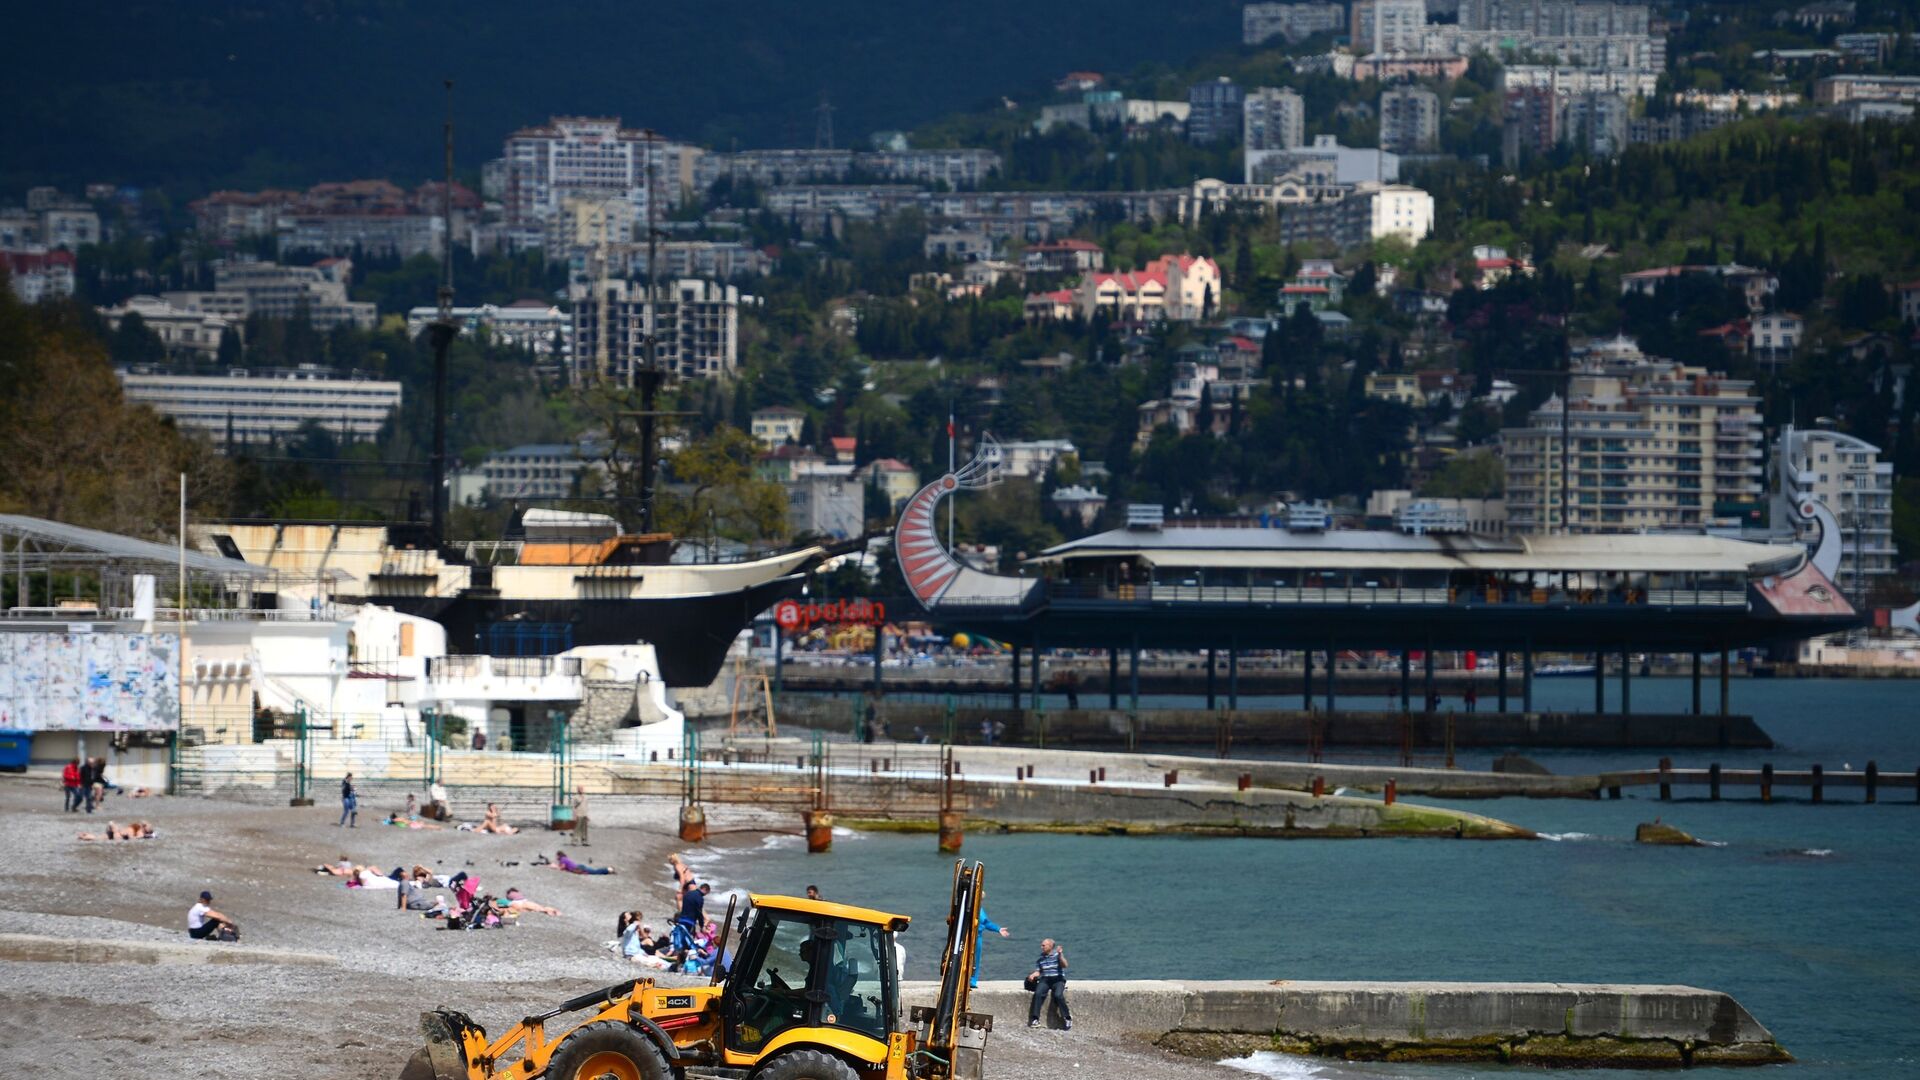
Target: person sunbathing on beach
(515,902)
(408,823)
(492,823)
(138,830)
(344,868)
(562,862)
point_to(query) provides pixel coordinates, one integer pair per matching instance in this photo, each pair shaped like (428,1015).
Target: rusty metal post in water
(950,821)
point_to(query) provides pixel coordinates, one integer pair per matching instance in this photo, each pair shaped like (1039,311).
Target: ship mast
(441,335)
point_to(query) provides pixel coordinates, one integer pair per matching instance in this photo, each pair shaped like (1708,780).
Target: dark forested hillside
(256,92)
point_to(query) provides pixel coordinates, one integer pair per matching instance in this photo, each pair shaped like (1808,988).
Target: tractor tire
(608,1050)
(806,1065)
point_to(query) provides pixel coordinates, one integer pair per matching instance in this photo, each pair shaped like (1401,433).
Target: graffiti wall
(105,681)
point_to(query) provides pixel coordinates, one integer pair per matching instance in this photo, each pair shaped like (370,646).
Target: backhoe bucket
(445,1056)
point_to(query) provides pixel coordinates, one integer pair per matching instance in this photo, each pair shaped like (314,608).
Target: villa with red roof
(1044,306)
(1180,288)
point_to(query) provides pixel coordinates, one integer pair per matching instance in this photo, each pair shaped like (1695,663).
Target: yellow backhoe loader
(801,990)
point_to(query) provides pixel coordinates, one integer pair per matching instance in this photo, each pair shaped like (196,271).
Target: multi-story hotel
(1847,475)
(260,405)
(245,288)
(573,155)
(1652,445)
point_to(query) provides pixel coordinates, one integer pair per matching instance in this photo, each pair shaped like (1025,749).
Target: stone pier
(1550,1024)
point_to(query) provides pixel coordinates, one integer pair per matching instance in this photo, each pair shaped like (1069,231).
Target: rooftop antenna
(823,124)
(441,335)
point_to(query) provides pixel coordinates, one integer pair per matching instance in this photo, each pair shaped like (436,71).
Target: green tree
(1467,476)
(713,488)
(134,342)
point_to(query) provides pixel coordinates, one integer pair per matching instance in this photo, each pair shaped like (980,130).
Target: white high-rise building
(1847,475)
(1385,26)
(578,155)
(1652,445)
(696,327)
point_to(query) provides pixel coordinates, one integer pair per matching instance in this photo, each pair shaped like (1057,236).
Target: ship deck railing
(1144,594)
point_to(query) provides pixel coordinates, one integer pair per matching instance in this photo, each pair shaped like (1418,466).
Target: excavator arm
(952,1041)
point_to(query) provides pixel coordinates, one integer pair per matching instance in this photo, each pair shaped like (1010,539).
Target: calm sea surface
(1805,913)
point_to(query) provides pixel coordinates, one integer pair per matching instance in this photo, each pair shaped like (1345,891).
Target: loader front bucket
(445,1055)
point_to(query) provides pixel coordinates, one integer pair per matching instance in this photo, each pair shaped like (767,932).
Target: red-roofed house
(1182,288)
(1907,294)
(1074,82)
(1057,304)
(1732,336)
(1316,297)
(1129,295)
(1063,256)
(894,478)
(844,448)
(39,275)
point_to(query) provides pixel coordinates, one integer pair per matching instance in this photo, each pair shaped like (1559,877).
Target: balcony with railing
(504,678)
(1471,590)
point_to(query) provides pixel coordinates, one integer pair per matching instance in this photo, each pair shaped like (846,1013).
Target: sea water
(1804,913)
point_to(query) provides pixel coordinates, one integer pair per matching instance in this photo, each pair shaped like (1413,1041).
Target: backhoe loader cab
(802,990)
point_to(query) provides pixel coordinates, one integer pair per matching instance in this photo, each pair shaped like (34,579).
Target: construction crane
(811,991)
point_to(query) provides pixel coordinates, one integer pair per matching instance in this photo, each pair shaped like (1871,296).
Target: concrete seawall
(1557,1024)
(40,949)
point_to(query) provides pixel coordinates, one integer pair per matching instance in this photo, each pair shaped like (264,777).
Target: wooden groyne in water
(1542,1024)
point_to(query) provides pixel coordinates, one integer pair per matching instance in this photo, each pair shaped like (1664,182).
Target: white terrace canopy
(54,568)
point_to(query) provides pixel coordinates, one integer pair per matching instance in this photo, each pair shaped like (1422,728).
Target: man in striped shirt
(1050,977)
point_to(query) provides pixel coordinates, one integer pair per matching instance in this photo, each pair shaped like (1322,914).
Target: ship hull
(690,634)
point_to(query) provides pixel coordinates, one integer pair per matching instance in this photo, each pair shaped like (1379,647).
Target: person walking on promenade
(987,926)
(1049,977)
(349,804)
(1472,697)
(70,784)
(89,776)
(580,815)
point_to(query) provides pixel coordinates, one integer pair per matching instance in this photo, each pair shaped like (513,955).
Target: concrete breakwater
(1290,727)
(1553,1024)
(1203,809)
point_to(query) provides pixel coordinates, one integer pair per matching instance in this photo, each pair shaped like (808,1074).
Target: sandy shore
(357,1018)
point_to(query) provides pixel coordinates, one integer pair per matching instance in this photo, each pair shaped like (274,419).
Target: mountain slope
(254,92)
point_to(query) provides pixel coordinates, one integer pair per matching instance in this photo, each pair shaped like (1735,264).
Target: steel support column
(1133,677)
(1016,678)
(1233,675)
(1526,677)
(1406,680)
(1696,683)
(1428,660)
(1626,682)
(1333,665)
